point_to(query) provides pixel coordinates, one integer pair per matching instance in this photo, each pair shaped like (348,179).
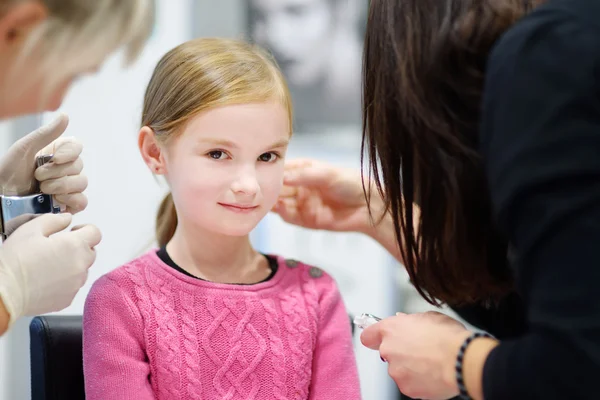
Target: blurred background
(318,44)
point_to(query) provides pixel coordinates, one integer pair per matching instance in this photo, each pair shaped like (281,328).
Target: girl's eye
(268,157)
(217,155)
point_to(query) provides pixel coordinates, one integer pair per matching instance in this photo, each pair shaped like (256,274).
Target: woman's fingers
(288,191)
(372,336)
(287,209)
(54,170)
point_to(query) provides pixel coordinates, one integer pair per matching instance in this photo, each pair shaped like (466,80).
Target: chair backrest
(56,358)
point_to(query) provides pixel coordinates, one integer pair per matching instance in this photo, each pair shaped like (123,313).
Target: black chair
(56,358)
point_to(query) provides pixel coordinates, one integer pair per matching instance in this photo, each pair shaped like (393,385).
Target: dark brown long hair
(424,65)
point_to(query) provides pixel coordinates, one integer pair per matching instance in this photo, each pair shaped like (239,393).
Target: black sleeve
(503,320)
(540,139)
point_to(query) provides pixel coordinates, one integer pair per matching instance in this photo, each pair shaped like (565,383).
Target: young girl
(206,316)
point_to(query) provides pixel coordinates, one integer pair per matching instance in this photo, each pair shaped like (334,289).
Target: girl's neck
(217,258)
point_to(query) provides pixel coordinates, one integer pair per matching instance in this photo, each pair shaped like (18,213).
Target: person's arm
(334,370)
(383,232)
(381,229)
(114,359)
(473,362)
(317,195)
(541,146)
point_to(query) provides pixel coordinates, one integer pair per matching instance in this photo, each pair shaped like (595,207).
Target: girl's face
(226,168)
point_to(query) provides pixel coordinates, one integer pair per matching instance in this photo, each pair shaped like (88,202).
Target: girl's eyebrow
(219,142)
(279,143)
(230,144)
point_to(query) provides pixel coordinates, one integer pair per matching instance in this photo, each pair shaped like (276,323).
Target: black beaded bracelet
(459,363)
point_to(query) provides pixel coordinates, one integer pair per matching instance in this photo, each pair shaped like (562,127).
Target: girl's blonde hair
(199,75)
(79,34)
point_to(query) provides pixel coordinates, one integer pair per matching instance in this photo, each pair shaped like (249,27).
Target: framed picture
(318,45)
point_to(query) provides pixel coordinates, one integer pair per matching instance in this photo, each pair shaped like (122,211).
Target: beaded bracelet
(459,363)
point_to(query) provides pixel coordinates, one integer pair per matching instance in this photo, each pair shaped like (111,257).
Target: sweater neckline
(187,281)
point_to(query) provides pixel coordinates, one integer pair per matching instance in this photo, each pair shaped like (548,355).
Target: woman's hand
(420,350)
(62,177)
(318,195)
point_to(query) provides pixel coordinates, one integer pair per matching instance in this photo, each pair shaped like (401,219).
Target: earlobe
(19,19)
(151,151)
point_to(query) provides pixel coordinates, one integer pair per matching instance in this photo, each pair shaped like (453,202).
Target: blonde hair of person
(78,34)
(200,75)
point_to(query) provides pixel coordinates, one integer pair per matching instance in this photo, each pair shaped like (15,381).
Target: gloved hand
(42,266)
(61,177)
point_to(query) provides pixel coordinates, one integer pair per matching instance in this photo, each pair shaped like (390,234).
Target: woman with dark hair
(487,197)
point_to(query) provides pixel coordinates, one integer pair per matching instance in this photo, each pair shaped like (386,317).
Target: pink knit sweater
(150,332)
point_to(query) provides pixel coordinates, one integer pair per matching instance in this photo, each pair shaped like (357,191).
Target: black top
(166,258)
(540,141)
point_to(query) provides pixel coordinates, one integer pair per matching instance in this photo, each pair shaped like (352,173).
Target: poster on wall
(318,45)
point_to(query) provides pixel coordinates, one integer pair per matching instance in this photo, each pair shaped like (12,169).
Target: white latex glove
(42,266)
(61,177)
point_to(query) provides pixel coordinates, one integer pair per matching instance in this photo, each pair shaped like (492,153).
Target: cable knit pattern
(167,349)
(151,332)
(311,297)
(190,345)
(277,351)
(293,322)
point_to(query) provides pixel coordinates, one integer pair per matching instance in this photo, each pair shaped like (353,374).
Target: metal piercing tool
(365,320)
(16,210)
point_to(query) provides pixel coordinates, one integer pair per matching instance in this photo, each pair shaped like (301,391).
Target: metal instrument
(16,210)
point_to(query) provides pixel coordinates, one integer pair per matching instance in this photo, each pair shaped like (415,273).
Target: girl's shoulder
(305,273)
(125,278)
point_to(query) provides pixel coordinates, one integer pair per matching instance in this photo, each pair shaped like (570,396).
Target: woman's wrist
(382,231)
(379,225)
(374,212)
(472,361)
(373,217)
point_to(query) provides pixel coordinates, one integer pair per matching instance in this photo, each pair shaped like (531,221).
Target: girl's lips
(239,208)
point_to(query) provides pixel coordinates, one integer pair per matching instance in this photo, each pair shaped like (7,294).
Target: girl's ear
(151,152)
